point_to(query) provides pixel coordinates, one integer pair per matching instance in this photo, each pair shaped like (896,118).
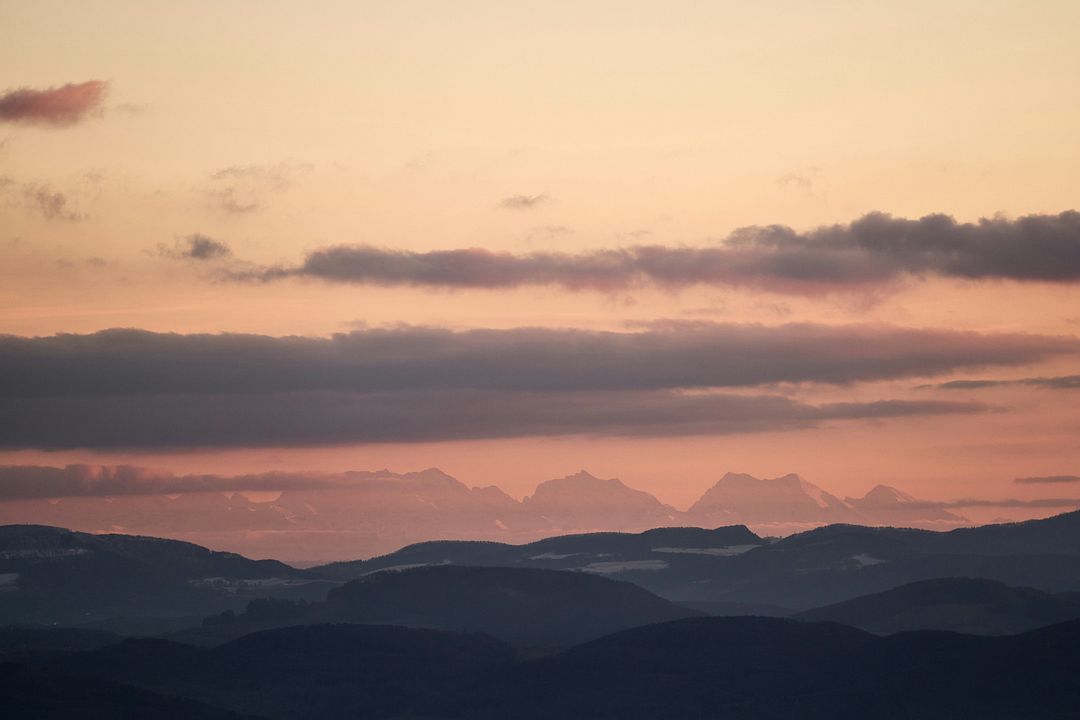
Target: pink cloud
(57,106)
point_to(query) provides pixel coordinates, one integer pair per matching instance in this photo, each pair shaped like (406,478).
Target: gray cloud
(1048,480)
(245,189)
(56,106)
(1006,503)
(663,356)
(196,247)
(1062,382)
(327,418)
(523,202)
(874,250)
(21,482)
(133,388)
(18,482)
(52,204)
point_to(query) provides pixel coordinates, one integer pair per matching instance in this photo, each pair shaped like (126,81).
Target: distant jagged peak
(586,476)
(885,495)
(432,474)
(582,480)
(742,497)
(588,493)
(790,480)
(738,478)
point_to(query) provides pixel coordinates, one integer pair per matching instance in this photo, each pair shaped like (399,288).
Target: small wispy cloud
(1061,382)
(523,202)
(1048,480)
(246,189)
(195,247)
(51,204)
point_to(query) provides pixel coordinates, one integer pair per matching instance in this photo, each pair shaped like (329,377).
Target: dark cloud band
(132,388)
(324,418)
(1062,382)
(868,252)
(666,356)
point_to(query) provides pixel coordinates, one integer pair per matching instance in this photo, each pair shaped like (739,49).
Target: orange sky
(275,129)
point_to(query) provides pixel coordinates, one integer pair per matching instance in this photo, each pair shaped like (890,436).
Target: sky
(660,241)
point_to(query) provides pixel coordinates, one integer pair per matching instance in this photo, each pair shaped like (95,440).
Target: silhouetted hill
(772,669)
(839,562)
(35,694)
(19,644)
(982,607)
(56,576)
(732,566)
(745,668)
(315,671)
(1057,535)
(666,561)
(527,607)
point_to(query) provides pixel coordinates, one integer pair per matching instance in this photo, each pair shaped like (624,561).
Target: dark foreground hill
(56,576)
(35,694)
(31,643)
(527,607)
(978,607)
(718,668)
(315,671)
(773,669)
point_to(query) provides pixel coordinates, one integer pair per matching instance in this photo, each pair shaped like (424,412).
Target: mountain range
(594,625)
(140,585)
(371,513)
(526,607)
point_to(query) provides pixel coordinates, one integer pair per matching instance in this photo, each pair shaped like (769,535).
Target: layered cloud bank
(132,388)
(871,251)
(56,106)
(324,418)
(125,362)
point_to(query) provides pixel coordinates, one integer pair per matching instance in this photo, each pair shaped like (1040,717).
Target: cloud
(870,252)
(1048,480)
(57,106)
(801,181)
(20,482)
(1063,382)
(196,247)
(244,189)
(133,388)
(674,355)
(51,204)
(1006,503)
(312,418)
(523,202)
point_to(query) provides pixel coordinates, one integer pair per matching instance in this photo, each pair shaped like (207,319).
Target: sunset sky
(660,241)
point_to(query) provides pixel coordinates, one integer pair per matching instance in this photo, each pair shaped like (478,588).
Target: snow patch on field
(729,551)
(41,554)
(553,556)
(615,566)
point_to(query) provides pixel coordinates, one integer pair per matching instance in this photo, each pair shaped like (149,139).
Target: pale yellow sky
(405,124)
